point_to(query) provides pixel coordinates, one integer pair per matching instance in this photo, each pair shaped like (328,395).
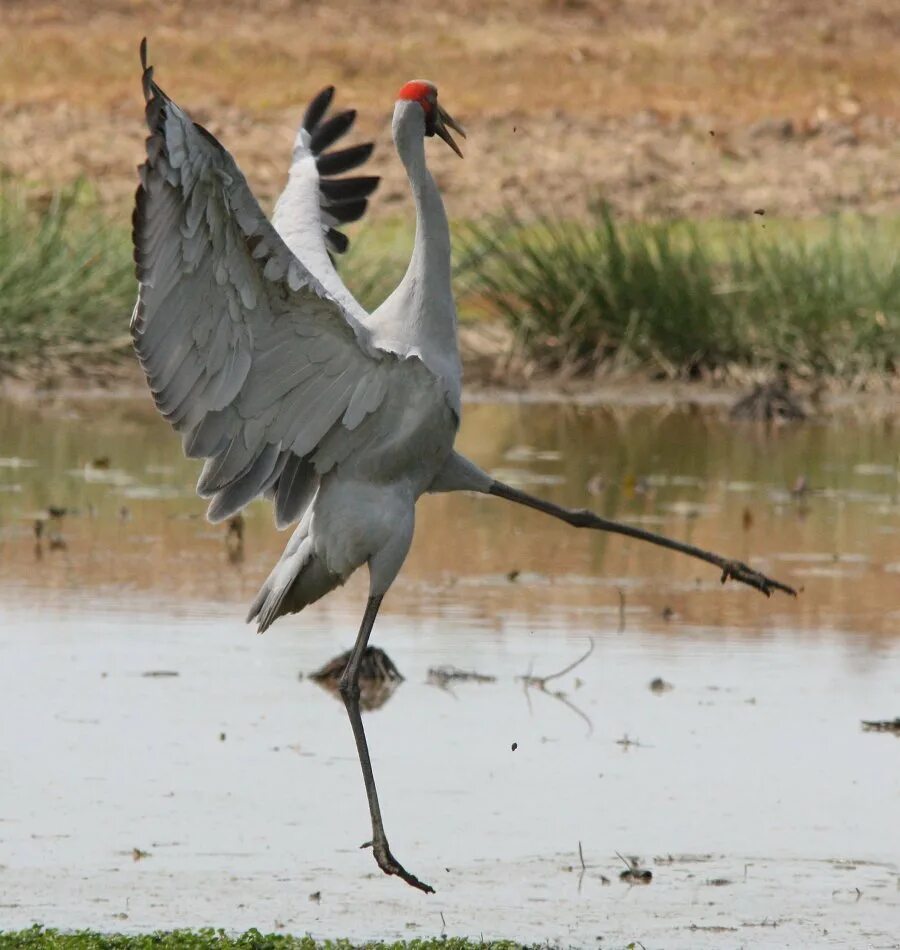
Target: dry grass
(599,57)
(565,98)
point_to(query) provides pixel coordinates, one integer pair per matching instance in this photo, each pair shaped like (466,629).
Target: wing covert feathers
(266,376)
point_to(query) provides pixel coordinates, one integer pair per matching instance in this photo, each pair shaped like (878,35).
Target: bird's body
(256,350)
(263,360)
(364,509)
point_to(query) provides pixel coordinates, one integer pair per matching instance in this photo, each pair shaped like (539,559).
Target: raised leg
(349,687)
(582,518)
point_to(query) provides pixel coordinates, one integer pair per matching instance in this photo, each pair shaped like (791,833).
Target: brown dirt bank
(566,101)
(491,374)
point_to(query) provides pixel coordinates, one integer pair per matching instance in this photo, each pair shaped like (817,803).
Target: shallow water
(752,770)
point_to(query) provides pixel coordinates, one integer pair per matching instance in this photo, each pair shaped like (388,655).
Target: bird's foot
(737,570)
(390,865)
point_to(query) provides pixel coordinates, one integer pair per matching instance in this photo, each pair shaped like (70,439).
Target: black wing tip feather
(344,160)
(317,108)
(348,211)
(329,131)
(339,190)
(337,241)
(151,90)
(344,199)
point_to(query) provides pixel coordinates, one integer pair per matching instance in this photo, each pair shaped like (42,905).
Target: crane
(256,352)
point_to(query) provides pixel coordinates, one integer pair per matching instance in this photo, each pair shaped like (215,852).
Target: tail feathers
(298,580)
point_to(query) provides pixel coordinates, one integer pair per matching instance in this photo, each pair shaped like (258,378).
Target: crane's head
(437,120)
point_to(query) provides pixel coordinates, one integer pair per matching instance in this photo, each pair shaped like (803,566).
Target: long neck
(430,260)
(420,315)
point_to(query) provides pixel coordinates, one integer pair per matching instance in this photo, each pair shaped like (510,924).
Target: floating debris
(769,402)
(160,673)
(378,677)
(138,855)
(444,675)
(540,683)
(634,873)
(659,685)
(882,725)
(626,742)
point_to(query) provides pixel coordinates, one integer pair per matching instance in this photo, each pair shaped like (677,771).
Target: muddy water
(766,814)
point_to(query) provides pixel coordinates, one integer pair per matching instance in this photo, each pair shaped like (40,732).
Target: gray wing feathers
(296,486)
(245,352)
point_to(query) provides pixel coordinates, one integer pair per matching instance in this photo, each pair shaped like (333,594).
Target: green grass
(682,298)
(66,275)
(38,938)
(679,299)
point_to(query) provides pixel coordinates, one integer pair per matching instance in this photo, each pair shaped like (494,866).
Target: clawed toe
(390,865)
(740,572)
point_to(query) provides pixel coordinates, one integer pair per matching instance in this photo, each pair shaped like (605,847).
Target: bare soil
(690,109)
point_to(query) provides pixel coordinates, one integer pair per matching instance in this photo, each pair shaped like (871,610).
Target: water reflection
(713,733)
(133,526)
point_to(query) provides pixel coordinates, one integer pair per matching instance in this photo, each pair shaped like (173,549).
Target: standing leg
(349,687)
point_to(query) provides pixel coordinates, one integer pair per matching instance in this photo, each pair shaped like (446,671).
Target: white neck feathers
(420,315)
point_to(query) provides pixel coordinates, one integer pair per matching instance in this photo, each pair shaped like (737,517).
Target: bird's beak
(444,119)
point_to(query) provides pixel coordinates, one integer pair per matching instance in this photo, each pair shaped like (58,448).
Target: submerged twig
(585,867)
(540,683)
(882,725)
(443,676)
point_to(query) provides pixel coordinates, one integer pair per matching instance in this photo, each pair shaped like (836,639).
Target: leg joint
(349,688)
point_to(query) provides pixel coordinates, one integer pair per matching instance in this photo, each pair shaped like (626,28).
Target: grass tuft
(685,298)
(680,299)
(66,274)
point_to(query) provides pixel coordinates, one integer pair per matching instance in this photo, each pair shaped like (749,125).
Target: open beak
(445,120)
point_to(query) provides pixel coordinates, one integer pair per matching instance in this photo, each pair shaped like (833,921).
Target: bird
(260,357)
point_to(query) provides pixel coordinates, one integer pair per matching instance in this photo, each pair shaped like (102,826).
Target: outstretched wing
(315,204)
(264,373)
